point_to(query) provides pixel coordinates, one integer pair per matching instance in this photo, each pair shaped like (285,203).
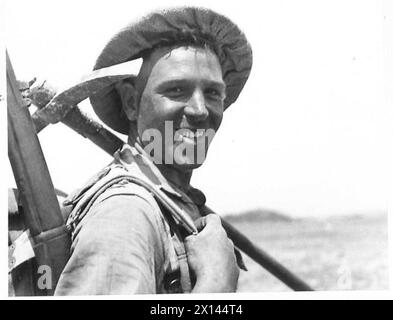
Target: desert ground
(335,253)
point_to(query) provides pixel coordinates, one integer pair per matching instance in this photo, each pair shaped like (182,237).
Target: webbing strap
(185,279)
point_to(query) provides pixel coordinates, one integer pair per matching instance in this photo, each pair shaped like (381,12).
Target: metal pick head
(95,81)
(87,86)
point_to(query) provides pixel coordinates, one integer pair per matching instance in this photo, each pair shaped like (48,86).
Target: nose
(195,109)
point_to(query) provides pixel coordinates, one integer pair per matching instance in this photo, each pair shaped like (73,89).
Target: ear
(127,94)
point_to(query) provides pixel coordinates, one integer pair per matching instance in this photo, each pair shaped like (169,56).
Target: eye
(213,93)
(175,92)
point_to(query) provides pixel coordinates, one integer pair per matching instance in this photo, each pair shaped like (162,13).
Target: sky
(310,135)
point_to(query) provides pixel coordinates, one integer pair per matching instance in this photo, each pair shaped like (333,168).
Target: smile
(190,134)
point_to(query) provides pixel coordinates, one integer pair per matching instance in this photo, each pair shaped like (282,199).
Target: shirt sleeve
(118,250)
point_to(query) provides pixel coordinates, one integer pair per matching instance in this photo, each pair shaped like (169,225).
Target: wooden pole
(42,212)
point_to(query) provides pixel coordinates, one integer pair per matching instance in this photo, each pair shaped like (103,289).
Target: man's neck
(179,178)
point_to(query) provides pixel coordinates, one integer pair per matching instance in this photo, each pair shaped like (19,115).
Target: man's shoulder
(112,184)
(111,180)
(128,192)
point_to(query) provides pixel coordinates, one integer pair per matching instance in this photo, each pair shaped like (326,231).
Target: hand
(211,257)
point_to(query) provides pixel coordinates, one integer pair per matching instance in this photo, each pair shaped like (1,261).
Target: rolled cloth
(171,28)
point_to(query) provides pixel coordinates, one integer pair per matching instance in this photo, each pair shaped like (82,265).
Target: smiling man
(129,223)
(182,102)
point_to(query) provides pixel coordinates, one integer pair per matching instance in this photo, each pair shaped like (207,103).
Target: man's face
(185,89)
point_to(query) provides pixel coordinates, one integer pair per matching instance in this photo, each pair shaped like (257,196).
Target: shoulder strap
(186,279)
(185,276)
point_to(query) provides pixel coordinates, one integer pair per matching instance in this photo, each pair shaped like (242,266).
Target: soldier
(126,237)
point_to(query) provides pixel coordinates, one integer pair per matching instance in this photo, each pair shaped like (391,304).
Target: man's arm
(118,250)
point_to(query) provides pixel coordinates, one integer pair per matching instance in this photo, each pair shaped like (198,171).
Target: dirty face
(185,92)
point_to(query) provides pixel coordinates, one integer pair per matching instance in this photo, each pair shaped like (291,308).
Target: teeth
(191,134)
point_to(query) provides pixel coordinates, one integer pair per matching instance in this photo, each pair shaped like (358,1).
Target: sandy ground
(340,253)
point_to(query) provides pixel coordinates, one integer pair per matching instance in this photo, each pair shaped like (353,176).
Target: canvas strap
(185,279)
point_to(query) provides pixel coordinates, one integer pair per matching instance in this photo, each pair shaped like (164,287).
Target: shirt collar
(138,161)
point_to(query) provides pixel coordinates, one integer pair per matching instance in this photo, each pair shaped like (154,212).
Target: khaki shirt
(121,241)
